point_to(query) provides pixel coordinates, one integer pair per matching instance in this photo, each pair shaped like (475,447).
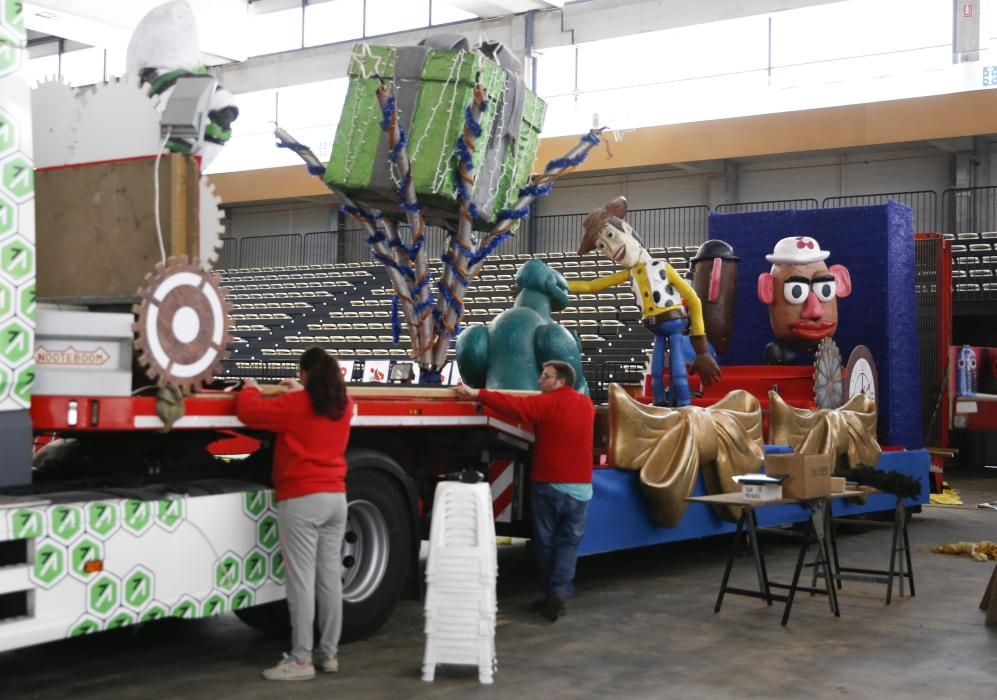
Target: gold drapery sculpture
(669,445)
(849,430)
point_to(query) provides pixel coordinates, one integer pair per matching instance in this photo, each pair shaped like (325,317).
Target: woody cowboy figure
(660,291)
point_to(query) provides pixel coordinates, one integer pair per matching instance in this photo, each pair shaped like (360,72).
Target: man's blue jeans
(558,526)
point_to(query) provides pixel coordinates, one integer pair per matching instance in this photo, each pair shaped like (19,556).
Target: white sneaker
(329,664)
(287,669)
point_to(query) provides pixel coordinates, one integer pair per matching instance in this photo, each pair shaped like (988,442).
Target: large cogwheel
(55,116)
(210,223)
(118,120)
(829,389)
(182,327)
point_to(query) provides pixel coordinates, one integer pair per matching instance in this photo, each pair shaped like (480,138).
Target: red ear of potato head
(765,286)
(843,279)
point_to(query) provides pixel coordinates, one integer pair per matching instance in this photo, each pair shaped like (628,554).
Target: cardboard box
(837,484)
(761,492)
(809,475)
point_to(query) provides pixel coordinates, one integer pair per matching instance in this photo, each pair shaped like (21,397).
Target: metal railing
(927,257)
(657,228)
(969,209)
(661,227)
(228,257)
(270,251)
(770,205)
(924,204)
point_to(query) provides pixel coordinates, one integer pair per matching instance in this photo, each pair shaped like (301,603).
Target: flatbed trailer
(81,555)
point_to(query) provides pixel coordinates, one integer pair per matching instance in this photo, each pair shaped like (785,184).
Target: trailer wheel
(377,550)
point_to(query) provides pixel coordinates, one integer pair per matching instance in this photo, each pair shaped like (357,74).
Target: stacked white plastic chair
(460,577)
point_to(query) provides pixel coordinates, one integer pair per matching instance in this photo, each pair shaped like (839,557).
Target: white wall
(814,176)
(280,219)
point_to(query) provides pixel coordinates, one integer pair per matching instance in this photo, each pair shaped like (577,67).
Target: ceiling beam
(501,8)
(108,24)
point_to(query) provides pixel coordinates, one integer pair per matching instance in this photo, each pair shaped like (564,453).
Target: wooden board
(96,227)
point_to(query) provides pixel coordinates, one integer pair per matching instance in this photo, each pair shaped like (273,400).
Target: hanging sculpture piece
(460,135)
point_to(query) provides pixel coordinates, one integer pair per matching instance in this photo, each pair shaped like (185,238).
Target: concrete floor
(641,626)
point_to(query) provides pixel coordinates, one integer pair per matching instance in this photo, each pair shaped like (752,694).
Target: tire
(377,552)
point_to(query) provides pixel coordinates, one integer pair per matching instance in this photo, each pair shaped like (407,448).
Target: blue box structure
(876,244)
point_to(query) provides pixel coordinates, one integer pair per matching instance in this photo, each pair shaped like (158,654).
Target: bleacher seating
(973,265)
(346,308)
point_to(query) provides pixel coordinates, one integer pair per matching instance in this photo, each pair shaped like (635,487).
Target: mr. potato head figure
(802,295)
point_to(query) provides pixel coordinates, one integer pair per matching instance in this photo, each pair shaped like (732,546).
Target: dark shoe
(553,608)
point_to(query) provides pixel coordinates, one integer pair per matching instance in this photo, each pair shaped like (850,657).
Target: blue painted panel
(876,244)
(618,517)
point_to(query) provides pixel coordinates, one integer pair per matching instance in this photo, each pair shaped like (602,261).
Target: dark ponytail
(325,385)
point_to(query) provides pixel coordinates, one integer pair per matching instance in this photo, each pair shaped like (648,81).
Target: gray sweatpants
(311,540)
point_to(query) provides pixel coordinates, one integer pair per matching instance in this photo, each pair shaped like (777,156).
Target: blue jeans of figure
(670,334)
(558,526)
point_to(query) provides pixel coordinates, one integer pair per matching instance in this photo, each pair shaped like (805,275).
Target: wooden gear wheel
(182,326)
(863,378)
(829,389)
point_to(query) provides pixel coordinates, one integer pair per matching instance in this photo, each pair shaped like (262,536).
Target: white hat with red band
(797,250)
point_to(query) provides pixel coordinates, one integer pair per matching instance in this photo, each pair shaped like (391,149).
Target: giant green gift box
(432,88)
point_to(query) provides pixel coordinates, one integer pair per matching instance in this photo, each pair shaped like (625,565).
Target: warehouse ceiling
(107,24)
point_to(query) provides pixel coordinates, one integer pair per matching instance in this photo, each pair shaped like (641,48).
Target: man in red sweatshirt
(562,422)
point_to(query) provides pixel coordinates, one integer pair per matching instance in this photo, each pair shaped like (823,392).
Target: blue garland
(386,112)
(430,299)
(464,154)
(513,214)
(402,201)
(362,213)
(450,299)
(412,250)
(388,262)
(402,140)
(440,326)
(591,137)
(448,261)
(430,376)
(302,148)
(466,158)
(541,190)
(396,323)
(472,125)
(491,246)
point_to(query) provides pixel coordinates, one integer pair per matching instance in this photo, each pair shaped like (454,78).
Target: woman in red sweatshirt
(311,419)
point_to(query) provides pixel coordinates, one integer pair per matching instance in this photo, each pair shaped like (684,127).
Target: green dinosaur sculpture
(509,353)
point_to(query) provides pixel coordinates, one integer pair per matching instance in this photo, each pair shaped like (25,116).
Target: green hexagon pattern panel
(12,17)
